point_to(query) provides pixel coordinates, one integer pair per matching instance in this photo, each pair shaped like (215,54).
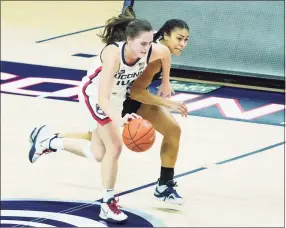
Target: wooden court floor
(231,173)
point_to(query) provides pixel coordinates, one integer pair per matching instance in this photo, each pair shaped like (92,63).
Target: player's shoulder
(111,51)
(159,45)
(161,48)
(113,48)
(159,51)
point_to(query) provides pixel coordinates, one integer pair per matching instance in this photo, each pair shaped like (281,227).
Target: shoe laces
(171,187)
(114,207)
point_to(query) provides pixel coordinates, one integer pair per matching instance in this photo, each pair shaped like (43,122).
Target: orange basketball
(139,135)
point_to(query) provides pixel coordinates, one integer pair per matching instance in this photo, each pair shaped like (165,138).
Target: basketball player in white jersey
(103,92)
(174,34)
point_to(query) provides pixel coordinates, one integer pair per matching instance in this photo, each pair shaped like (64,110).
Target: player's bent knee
(176,128)
(173,129)
(117,150)
(87,151)
(99,157)
(114,149)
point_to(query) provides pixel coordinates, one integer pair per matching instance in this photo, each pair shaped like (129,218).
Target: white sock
(107,194)
(86,151)
(57,144)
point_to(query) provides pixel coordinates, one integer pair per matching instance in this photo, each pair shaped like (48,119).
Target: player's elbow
(136,93)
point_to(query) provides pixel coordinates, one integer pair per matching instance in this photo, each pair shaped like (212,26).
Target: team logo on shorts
(43,213)
(100,111)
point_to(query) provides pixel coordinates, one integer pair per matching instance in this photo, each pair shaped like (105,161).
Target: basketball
(139,135)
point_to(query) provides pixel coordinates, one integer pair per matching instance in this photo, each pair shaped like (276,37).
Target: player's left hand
(166,90)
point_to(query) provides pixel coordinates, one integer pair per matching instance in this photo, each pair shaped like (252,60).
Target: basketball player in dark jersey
(174,34)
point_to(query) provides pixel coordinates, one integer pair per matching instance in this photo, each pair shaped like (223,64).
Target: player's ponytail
(115,28)
(169,26)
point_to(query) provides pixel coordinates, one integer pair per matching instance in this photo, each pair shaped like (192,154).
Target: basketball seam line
(135,132)
(140,138)
(134,135)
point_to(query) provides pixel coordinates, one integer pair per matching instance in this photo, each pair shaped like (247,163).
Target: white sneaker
(110,212)
(168,193)
(39,144)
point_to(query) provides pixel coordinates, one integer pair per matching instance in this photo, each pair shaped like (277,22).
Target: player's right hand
(128,117)
(180,107)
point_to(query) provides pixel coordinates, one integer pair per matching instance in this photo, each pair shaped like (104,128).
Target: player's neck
(163,42)
(129,55)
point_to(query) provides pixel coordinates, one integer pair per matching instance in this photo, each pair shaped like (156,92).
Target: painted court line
(204,168)
(250,153)
(69,34)
(84,205)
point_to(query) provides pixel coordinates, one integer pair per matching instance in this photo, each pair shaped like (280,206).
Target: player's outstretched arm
(140,93)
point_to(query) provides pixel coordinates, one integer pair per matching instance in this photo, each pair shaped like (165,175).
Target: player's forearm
(165,78)
(144,96)
(165,71)
(166,65)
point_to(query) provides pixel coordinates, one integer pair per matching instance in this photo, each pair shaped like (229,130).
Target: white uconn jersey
(122,79)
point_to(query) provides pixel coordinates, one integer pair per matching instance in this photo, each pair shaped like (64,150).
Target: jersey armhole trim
(149,54)
(105,47)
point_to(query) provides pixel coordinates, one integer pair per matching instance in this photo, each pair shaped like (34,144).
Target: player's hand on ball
(128,117)
(179,106)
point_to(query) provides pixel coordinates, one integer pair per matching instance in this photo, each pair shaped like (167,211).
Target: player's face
(141,44)
(177,41)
